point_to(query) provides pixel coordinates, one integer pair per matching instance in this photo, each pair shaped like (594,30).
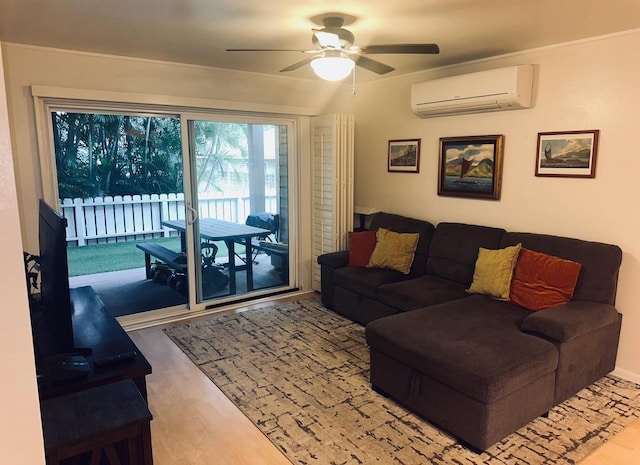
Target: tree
(221,149)
(105,154)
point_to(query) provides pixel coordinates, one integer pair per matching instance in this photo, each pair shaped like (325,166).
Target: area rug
(300,372)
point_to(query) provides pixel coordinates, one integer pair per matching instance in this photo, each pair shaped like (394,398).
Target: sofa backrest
(403,224)
(598,277)
(454,249)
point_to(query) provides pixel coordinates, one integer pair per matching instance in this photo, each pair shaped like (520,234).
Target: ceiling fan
(335,55)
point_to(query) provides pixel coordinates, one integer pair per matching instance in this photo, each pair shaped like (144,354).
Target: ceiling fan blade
(372,65)
(297,65)
(327,39)
(268,50)
(402,48)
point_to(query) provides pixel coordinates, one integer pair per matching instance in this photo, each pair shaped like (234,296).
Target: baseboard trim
(626,374)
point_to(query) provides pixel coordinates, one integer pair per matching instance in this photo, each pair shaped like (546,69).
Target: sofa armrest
(334,259)
(329,263)
(573,319)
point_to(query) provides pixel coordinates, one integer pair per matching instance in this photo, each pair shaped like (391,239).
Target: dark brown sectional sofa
(479,368)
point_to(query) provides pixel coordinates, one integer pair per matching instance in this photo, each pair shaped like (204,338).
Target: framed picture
(569,154)
(471,166)
(404,156)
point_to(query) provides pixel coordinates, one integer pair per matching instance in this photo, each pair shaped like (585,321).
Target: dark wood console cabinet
(96,329)
(108,424)
(101,417)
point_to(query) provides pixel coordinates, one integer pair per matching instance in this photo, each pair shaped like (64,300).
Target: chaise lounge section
(478,367)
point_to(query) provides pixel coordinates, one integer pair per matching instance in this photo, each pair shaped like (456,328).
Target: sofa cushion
(419,292)
(365,281)
(361,245)
(403,224)
(474,345)
(541,281)
(454,249)
(600,262)
(394,250)
(493,272)
(571,320)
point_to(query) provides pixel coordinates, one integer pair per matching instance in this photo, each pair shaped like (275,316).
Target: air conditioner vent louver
(494,90)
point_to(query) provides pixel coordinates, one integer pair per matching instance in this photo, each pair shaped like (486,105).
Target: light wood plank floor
(193,421)
(624,449)
(195,424)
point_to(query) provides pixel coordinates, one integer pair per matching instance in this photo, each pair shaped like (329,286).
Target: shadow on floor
(129,291)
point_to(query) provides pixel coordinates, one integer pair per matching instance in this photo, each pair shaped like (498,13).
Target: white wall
(20,430)
(588,85)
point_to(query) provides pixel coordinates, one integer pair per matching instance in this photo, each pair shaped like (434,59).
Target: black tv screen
(54,281)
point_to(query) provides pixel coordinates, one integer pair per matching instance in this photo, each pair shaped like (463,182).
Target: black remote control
(120,357)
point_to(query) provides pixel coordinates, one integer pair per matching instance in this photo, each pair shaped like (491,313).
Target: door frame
(47,99)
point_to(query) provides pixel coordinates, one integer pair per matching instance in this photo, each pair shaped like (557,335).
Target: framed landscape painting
(471,166)
(404,156)
(569,154)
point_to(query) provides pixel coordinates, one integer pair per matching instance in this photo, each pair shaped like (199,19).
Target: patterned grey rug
(300,373)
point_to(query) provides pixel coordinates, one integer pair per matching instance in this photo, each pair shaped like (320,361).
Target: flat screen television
(54,283)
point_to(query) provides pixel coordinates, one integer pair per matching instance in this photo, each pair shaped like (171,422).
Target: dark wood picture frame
(567,154)
(471,166)
(404,156)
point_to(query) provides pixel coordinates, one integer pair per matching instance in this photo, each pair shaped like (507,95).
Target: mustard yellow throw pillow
(394,250)
(494,269)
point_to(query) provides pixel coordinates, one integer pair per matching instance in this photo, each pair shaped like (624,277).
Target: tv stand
(95,412)
(96,329)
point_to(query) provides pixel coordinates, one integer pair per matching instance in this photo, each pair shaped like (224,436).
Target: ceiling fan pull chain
(353,82)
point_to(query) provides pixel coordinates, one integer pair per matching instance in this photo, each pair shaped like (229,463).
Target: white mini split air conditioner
(495,90)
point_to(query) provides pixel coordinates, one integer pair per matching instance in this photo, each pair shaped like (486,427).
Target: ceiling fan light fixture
(332,68)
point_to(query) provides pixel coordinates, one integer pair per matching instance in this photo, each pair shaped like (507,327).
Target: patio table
(219,230)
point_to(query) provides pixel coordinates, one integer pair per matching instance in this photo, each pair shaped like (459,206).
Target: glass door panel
(119,177)
(239,173)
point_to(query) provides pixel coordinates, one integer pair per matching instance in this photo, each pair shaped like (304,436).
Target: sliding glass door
(119,176)
(172,210)
(239,210)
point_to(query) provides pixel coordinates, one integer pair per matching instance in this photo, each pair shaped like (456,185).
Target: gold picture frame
(471,166)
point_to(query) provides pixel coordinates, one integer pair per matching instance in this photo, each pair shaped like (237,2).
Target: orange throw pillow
(541,281)
(361,245)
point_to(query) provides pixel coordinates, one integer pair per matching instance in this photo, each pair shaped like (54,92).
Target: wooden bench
(271,248)
(167,256)
(279,254)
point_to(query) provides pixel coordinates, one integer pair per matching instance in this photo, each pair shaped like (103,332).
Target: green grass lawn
(101,258)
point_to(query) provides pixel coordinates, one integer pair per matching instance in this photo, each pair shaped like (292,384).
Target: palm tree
(221,150)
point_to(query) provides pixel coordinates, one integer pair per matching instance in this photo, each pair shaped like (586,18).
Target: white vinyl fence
(131,217)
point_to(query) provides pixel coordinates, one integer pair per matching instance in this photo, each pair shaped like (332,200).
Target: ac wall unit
(495,90)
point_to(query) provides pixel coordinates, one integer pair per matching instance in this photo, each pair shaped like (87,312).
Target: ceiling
(199,31)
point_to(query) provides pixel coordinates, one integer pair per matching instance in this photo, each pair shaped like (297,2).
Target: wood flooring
(195,424)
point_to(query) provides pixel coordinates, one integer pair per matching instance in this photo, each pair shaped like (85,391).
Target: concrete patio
(129,291)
